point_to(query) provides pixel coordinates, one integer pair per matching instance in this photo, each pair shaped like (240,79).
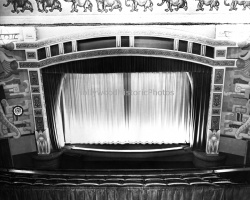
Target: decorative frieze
(216,112)
(26,65)
(38,112)
(39,123)
(125,31)
(37,101)
(218,76)
(220,53)
(31,55)
(213,131)
(215,123)
(102,6)
(35,89)
(129,51)
(33,78)
(218,88)
(217,100)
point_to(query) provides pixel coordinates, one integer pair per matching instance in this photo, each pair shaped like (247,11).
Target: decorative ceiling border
(127,52)
(126,31)
(88,6)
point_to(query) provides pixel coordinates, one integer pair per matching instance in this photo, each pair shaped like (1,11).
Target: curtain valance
(127,64)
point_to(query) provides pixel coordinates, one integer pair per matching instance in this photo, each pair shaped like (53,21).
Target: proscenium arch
(131,50)
(118,65)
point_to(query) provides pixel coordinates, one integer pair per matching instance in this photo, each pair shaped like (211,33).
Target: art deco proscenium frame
(219,63)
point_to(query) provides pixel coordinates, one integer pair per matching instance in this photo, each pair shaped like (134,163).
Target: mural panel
(15,99)
(236,101)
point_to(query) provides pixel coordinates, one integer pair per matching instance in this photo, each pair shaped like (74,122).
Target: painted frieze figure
(147,4)
(234,3)
(112,4)
(86,4)
(212,3)
(177,3)
(52,4)
(23,4)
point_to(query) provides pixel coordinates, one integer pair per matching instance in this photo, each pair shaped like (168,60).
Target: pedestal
(47,161)
(202,160)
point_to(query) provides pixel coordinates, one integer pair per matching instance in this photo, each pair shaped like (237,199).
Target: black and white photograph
(124,100)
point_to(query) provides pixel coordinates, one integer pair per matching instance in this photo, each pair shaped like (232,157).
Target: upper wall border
(126,31)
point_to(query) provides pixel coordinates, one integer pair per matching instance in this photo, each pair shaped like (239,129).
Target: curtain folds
(200,75)
(53,84)
(161,114)
(201,97)
(156,104)
(125,193)
(94,108)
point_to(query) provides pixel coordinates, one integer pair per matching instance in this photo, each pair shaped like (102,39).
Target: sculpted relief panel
(45,6)
(124,11)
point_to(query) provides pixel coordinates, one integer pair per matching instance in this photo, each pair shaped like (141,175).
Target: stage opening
(127,100)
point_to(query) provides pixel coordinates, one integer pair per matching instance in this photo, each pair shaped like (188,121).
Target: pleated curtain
(156,104)
(130,69)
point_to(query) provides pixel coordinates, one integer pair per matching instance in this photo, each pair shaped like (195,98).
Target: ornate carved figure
(86,4)
(7,123)
(242,128)
(234,3)
(24,4)
(177,3)
(213,142)
(53,4)
(212,3)
(147,4)
(42,143)
(113,4)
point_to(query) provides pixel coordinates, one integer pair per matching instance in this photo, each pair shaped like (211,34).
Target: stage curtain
(200,103)
(125,193)
(94,108)
(159,111)
(157,106)
(199,74)
(53,84)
